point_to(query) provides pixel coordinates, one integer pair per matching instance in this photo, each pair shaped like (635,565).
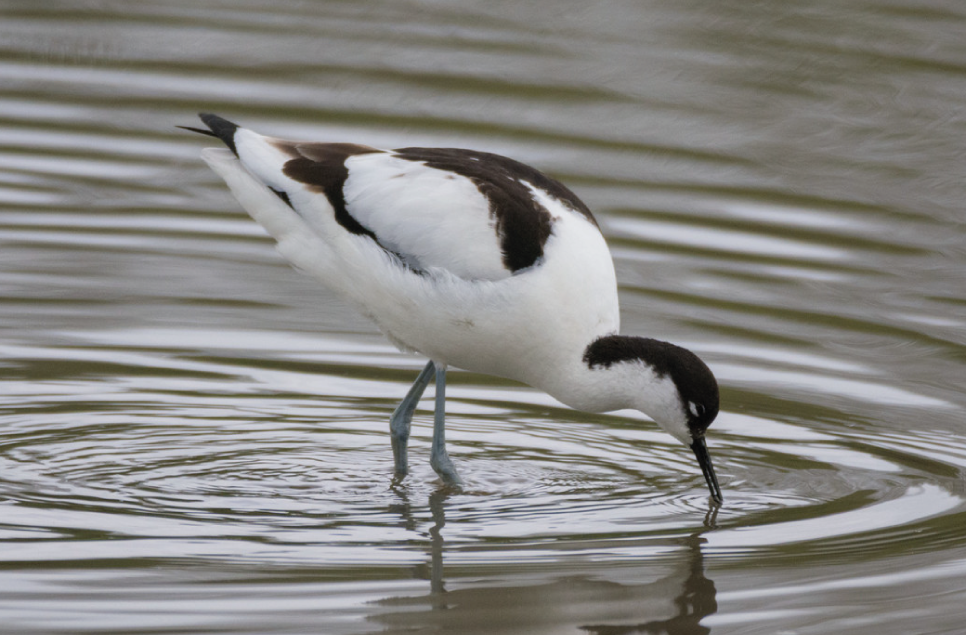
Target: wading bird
(473,260)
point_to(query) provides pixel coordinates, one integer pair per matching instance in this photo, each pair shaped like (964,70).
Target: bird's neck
(607,376)
(577,384)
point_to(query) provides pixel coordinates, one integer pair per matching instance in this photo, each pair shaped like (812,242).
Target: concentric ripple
(217,452)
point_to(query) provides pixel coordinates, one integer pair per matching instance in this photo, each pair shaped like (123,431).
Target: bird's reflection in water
(676,596)
(436,501)
(410,522)
(695,601)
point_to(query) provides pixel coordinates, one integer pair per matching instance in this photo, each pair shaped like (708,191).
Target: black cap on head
(696,385)
(695,382)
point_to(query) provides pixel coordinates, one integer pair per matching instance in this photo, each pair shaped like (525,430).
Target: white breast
(532,326)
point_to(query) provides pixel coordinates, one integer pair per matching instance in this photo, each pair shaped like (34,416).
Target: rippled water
(194,438)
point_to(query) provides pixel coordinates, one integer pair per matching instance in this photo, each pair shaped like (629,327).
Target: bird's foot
(443,466)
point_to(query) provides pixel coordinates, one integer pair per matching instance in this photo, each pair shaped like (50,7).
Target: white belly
(520,327)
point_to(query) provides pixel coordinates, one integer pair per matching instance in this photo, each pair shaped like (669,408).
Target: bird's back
(448,250)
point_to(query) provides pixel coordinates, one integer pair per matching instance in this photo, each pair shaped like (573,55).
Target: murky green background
(194,438)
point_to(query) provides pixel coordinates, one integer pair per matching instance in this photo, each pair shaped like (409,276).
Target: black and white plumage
(473,260)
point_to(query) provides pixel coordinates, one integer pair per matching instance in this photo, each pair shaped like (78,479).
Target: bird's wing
(476,215)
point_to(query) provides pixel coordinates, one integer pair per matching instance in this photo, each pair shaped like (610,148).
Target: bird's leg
(402,417)
(439,459)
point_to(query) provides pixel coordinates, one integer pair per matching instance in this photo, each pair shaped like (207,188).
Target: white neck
(628,384)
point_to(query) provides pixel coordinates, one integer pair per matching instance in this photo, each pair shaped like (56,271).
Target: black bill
(704,460)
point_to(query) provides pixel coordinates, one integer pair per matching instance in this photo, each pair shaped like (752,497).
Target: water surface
(194,438)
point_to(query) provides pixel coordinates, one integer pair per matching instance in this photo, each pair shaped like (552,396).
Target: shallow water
(194,438)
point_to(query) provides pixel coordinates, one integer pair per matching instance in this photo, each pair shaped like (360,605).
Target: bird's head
(671,385)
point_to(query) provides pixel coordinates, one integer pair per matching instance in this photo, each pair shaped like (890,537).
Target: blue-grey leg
(399,422)
(439,459)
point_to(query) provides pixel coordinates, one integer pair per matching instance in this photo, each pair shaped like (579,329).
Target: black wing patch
(282,195)
(220,128)
(322,165)
(522,224)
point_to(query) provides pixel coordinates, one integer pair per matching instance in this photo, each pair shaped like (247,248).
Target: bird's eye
(696,409)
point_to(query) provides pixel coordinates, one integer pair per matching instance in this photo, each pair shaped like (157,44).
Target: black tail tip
(220,128)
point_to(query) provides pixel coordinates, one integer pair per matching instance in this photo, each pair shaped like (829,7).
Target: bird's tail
(296,240)
(219,128)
